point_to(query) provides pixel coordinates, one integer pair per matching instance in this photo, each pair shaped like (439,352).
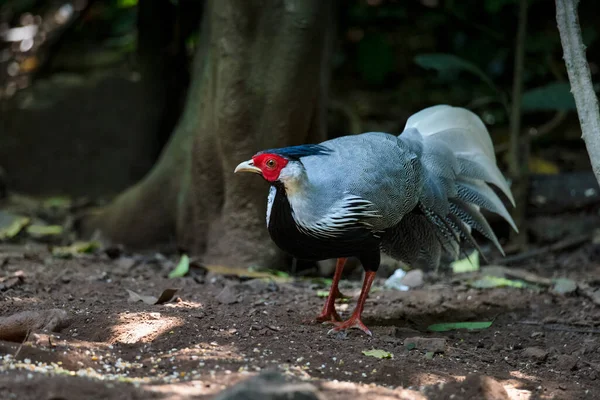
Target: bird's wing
(366,179)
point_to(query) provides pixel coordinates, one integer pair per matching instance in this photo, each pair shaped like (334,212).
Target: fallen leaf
(166,296)
(74,249)
(467,264)
(11,225)
(182,268)
(487,282)
(245,273)
(377,353)
(57,202)
(135,297)
(10,282)
(450,326)
(322,293)
(539,165)
(39,231)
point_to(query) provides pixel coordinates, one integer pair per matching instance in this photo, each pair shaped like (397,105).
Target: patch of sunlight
(184,304)
(359,390)
(142,327)
(517,394)
(521,375)
(209,351)
(428,378)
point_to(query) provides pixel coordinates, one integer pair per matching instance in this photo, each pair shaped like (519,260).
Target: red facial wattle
(270,165)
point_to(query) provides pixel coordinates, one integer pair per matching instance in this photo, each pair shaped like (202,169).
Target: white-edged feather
(270,199)
(349,212)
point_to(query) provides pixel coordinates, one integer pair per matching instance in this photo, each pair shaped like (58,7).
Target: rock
(435,345)
(227,296)
(258,286)
(270,386)
(535,353)
(566,363)
(564,286)
(413,279)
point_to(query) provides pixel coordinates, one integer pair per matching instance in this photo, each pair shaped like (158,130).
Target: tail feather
(458,164)
(472,217)
(478,193)
(473,168)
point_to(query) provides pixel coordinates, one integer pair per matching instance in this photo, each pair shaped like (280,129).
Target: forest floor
(219,330)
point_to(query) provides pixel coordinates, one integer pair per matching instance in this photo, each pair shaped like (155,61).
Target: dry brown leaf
(164,297)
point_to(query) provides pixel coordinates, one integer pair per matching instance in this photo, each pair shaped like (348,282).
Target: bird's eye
(270,163)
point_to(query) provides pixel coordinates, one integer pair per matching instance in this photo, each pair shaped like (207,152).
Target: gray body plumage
(420,192)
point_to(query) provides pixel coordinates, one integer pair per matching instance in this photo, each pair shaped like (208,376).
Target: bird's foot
(339,295)
(352,322)
(329,316)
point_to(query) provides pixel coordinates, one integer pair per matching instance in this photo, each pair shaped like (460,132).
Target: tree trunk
(260,81)
(580,78)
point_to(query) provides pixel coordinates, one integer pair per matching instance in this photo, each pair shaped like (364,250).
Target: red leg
(355,319)
(328,314)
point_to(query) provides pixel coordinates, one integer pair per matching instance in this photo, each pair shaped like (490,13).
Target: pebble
(227,296)
(535,353)
(434,345)
(413,279)
(566,362)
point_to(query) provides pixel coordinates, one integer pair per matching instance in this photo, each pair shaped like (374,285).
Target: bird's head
(281,165)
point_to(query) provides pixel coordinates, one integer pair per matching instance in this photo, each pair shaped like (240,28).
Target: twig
(536,133)
(21,345)
(515,163)
(580,78)
(560,245)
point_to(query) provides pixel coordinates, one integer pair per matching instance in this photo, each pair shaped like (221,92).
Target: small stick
(560,245)
(21,345)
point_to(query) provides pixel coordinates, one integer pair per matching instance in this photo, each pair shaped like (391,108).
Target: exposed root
(17,327)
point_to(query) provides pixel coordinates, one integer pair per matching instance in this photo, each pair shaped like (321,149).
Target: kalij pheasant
(414,196)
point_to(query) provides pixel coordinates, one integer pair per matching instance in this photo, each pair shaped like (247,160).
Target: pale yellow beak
(247,166)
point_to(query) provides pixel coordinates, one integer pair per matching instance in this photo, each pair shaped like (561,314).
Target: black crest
(296,152)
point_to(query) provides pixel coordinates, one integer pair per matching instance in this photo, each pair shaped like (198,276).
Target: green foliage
(450,326)
(363,13)
(126,3)
(375,58)
(378,353)
(182,268)
(467,264)
(488,282)
(550,97)
(445,63)
(495,6)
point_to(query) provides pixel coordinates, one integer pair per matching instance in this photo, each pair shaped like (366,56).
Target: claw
(329,317)
(352,322)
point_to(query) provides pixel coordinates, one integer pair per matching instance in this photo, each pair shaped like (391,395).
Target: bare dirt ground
(219,330)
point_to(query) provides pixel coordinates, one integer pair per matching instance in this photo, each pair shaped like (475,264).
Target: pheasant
(415,197)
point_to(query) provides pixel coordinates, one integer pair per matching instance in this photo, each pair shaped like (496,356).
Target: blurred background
(90,92)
